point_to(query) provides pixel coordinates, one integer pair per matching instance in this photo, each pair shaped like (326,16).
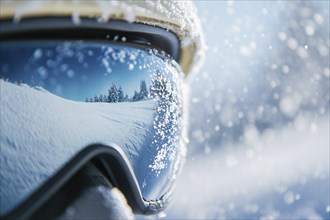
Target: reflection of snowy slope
(52,129)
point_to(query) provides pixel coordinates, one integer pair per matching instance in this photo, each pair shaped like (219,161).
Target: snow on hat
(179,17)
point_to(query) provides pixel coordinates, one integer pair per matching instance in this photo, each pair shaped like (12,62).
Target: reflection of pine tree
(116,94)
(135,96)
(160,86)
(121,96)
(113,94)
(143,90)
(101,98)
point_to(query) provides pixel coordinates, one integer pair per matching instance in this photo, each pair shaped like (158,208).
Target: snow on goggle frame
(127,95)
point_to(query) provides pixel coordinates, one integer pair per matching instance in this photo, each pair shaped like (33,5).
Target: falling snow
(258,127)
(259,142)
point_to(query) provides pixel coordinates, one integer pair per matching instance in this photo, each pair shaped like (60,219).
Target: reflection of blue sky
(122,76)
(73,70)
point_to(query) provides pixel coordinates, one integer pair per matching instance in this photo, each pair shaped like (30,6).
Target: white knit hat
(180,17)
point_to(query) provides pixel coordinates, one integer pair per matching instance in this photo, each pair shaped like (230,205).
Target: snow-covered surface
(41,131)
(115,200)
(107,203)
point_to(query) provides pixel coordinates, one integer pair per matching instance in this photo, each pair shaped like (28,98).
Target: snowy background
(259,115)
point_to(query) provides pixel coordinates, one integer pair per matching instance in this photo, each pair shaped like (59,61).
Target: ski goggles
(68,98)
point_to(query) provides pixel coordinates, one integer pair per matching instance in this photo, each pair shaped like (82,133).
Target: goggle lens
(136,92)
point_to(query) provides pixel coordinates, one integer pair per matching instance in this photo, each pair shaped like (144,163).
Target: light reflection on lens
(112,75)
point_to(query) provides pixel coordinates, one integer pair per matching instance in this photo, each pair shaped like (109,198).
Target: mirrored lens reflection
(136,91)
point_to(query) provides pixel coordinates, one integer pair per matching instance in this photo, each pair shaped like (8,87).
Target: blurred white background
(259,117)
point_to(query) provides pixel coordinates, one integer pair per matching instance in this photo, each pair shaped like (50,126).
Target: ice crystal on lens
(327,209)
(75,18)
(165,90)
(289,198)
(130,66)
(37,54)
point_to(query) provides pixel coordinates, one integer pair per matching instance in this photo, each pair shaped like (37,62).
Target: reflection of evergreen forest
(116,94)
